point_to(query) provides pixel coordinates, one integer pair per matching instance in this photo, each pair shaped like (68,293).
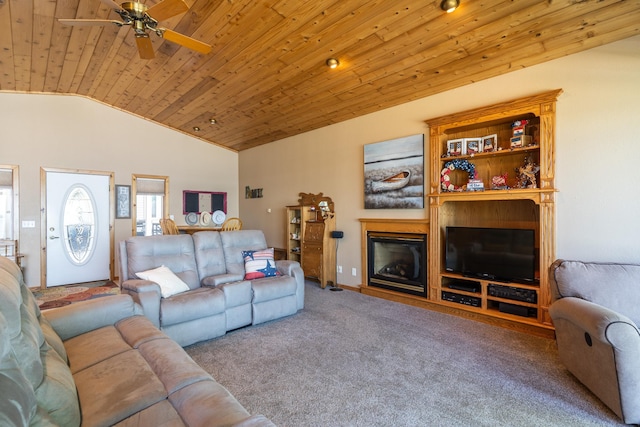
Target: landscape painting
(394,174)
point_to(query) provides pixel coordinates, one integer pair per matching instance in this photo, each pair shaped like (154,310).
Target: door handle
(54,237)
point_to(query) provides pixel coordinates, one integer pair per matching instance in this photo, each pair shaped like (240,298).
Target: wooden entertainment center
(514,203)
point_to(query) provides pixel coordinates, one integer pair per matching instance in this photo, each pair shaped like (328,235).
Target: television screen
(501,254)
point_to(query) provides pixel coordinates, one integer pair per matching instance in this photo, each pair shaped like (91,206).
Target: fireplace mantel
(415,226)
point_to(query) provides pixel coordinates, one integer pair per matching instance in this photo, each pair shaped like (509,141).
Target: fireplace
(397,261)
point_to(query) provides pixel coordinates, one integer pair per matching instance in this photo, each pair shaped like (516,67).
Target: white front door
(77,234)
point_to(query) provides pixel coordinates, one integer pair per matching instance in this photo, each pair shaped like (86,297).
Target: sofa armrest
(286,267)
(220,279)
(147,294)
(589,317)
(76,319)
(601,348)
(293,269)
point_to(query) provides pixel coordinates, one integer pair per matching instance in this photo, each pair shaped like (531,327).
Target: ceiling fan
(145,19)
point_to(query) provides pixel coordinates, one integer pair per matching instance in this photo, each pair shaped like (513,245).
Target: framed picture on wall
(123,201)
(394,173)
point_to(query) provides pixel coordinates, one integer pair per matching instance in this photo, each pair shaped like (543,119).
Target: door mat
(64,295)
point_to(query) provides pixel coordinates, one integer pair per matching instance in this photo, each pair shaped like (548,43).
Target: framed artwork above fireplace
(394,173)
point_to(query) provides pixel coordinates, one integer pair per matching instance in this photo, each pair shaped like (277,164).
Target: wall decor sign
(394,173)
(123,201)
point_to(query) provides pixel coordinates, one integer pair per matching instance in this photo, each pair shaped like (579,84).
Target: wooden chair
(232,224)
(9,249)
(168,226)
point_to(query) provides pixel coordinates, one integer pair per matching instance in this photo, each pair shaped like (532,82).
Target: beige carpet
(349,359)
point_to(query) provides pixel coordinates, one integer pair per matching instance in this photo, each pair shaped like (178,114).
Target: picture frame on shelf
(489,143)
(473,145)
(123,201)
(455,147)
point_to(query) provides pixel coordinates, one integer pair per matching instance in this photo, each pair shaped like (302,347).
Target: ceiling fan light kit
(144,19)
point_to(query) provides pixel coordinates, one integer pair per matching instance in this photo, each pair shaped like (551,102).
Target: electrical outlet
(354,272)
(339,269)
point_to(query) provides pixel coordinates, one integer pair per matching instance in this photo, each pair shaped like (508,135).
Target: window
(80,221)
(150,196)
(9,214)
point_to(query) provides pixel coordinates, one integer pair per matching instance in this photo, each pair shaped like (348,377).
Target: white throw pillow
(170,284)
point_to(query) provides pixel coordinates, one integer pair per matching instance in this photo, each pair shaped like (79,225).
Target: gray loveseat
(596,314)
(100,363)
(219,298)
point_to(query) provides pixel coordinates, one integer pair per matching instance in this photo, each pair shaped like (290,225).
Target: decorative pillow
(170,284)
(259,264)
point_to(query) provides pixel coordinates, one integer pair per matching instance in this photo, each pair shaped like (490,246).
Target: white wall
(597,163)
(72,132)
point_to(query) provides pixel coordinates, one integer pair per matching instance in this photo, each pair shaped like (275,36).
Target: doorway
(77,235)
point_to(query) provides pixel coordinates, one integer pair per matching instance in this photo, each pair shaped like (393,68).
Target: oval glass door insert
(79,224)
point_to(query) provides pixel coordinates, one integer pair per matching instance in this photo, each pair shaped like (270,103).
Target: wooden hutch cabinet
(509,204)
(309,227)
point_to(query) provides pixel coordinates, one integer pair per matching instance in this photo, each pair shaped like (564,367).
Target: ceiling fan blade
(185,41)
(112,4)
(166,9)
(145,48)
(88,22)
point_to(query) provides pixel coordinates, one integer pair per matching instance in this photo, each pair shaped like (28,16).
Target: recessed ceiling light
(196,129)
(332,63)
(449,5)
(213,121)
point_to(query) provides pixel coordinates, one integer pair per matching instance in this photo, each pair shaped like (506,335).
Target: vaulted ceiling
(266,78)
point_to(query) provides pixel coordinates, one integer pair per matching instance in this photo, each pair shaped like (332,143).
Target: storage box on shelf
(523,199)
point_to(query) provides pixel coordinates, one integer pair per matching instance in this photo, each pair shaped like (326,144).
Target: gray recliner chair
(596,314)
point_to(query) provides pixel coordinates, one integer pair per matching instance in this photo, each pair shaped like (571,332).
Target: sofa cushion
(57,393)
(18,402)
(234,242)
(174,251)
(116,388)
(271,288)
(93,347)
(196,304)
(258,264)
(615,286)
(209,254)
(207,403)
(159,414)
(172,364)
(169,283)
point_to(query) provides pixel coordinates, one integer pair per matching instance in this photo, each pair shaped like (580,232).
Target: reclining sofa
(100,363)
(220,294)
(596,313)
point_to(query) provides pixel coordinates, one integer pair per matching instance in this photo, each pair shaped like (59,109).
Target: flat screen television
(500,254)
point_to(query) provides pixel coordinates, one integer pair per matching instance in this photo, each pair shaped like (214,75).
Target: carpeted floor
(349,359)
(59,296)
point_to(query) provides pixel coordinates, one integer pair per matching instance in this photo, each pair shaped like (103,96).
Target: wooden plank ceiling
(266,77)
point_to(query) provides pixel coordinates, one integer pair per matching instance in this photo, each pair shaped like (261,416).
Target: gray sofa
(596,314)
(99,363)
(219,298)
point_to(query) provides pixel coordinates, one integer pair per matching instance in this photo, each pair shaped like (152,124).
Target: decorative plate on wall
(205,218)
(218,217)
(191,218)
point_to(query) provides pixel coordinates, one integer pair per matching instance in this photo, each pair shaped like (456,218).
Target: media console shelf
(513,305)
